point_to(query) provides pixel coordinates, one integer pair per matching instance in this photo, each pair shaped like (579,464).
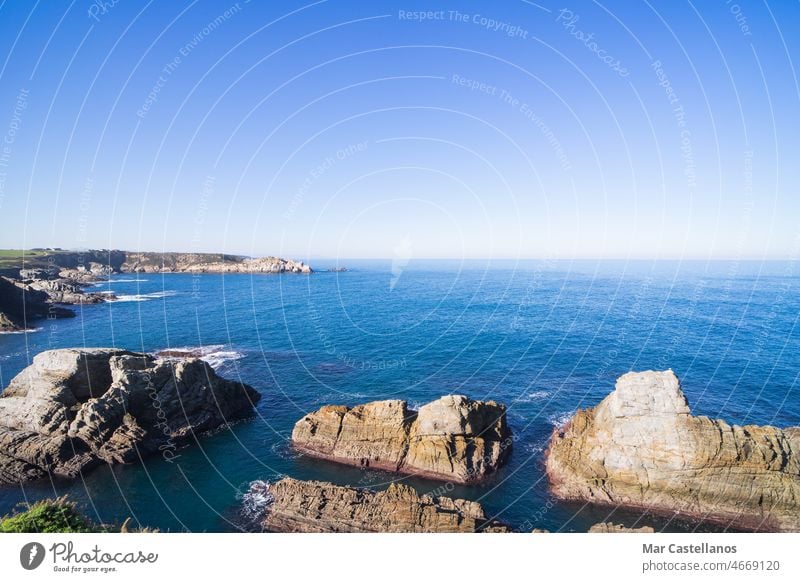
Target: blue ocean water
(542,337)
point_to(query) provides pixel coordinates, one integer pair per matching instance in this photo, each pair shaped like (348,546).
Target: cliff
(97,263)
(453,438)
(21,305)
(313,506)
(641,447)
(72,409)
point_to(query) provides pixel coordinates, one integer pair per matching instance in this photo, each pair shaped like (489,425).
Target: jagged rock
(609,527)
(7,324)
(74,408)
(68,292)
(314,506)
(641,447)
(20,305)
(81,276)
(37,274)
(453,438)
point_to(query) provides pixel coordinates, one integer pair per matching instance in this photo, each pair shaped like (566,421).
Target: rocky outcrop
(20,306)
(641,447)
(208,263)
(94,265)
(72,409)
(67,292)
(609,527)
(290,505)
(453,438)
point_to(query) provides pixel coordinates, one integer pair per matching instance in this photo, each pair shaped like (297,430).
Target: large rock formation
(453,438)
(67,291)
(312,506)
(74,408)
(21,305)
(641,447)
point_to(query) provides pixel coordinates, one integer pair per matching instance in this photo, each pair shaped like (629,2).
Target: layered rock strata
(72,409)
(641,447)
(453,438)
(313,506)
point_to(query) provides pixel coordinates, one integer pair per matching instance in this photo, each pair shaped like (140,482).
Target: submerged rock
(641,447)
(290,505)
(453,438)
(75,408)
(609,527)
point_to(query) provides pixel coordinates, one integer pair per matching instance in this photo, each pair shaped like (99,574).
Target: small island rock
(453,438)
(641,447)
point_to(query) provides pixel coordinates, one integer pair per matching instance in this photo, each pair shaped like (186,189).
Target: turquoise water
(542,337)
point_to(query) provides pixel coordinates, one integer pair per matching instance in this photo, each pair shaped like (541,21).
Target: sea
(543,337)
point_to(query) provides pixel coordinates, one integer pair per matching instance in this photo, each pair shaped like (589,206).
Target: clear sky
(367,129)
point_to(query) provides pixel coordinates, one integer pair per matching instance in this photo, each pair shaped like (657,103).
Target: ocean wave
(535,448)
(146,296)
(559,419)
(21,331)
(532,396)
(256,501)
(215,356)
(286,451)
(109,281)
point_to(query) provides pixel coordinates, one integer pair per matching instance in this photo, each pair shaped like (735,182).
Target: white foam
(532,396)
(560,419)
(214,355)
(256,501)
(535,448)
(21,331)
(109,281)
(146,296)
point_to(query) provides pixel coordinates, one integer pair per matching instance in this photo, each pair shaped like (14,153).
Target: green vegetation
(14,258)
(59,516)
(48,516)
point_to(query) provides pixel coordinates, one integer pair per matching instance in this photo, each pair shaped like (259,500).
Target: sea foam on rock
(641,447)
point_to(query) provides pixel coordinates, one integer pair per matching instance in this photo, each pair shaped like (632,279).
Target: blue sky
(360,129)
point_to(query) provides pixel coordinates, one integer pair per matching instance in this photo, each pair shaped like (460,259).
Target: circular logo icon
(31,555)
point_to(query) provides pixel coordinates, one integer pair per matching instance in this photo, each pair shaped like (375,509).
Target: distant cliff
(149,262)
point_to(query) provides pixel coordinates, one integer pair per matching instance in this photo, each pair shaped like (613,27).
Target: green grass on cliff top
(15,257)
(48,516)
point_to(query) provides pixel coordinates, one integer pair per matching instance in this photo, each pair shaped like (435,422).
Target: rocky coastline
(452,439)
(642,448)
(38,287)
(292,506)
(73,409)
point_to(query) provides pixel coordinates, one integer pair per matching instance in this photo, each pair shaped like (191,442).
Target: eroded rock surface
(21,305)
(641,447)
(453,438)
(609,527)
(72,409)
(313,506)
